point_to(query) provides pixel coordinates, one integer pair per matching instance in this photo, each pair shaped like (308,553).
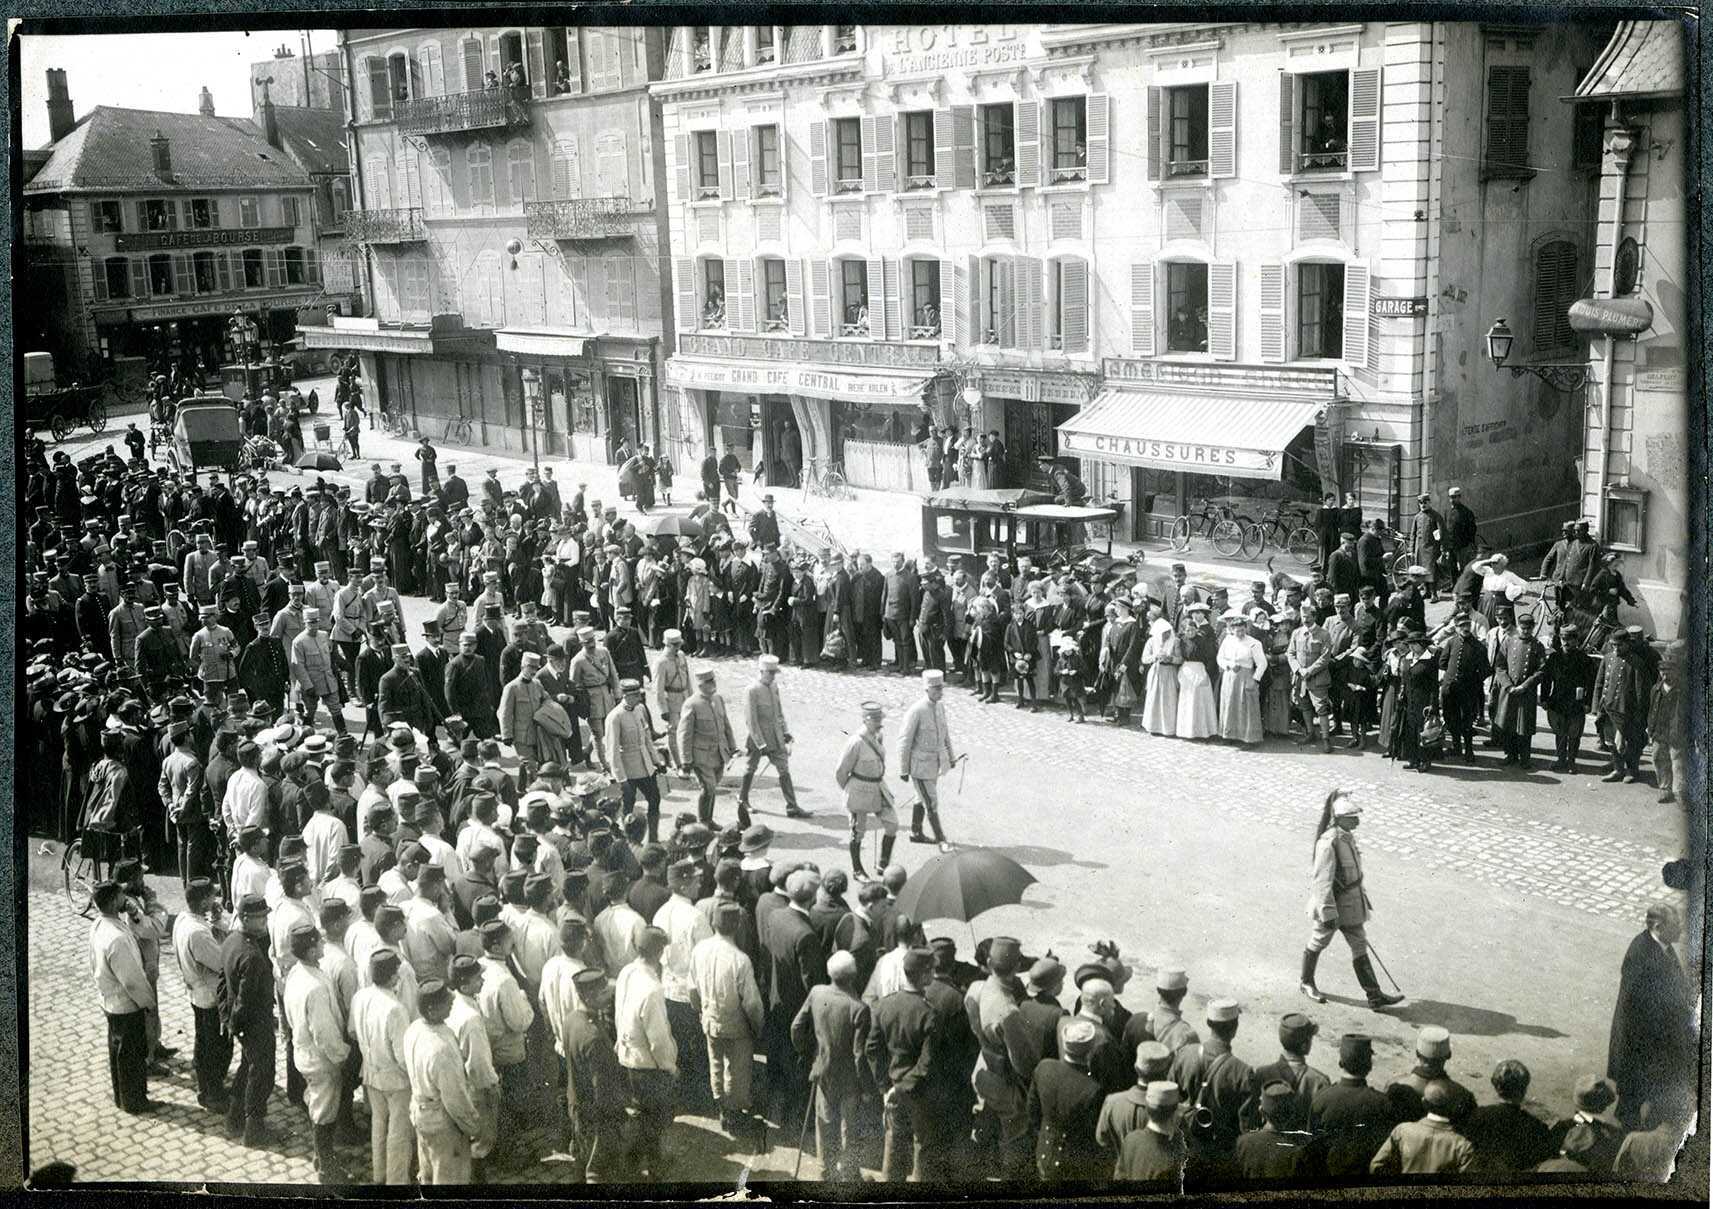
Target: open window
(853,298)
(108,217)
(255,269)
(160,215)
(998,144)
(1325,122)
(1186,131)
(1186,307)
(713,286)
(207,277)
(117,271)
(847,155)
(924,299)
(204,213)
(844,39)
(766,45)
(294,271)
(559,50)
(774,299)
(707,165)
(1070,139)
(768,179)
(1320,311)
(919,150)
(399,77)
(701,48)
(513,59)
(160,274)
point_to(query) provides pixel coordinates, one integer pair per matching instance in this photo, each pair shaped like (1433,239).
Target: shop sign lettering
(922,49)
(835,352)
(1175,455)
(1245,379)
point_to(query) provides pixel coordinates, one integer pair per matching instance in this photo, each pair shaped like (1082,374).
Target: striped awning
(1225,435)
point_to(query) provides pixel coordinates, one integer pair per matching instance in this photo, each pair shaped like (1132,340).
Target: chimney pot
(205,103)
(61,119)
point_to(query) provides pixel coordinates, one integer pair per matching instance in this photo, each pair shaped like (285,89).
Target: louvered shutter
(1272,312)
(1142,308)
(436,70)
(952,327)
(723,148)
(885,153)
(142,216)
(582,315)
(275,265)
(1004,321)
(963,135)
(235,261)
(536,65)
(1355,314)
(214,212)
(622,269)
(1555,288)
(380,93)
(139,278)
(1507,119)
(172,215)
(817,158)
(870,169)
(1027,130)
(1099,137)
(795,311)
(470,56)
(681,177)
(970,299)
(1365,120)
(1222,310)
(312,266)
(1073,305)
(897,325)
(876,286)
(1222,129)
(1156,140)
(626,56)
(820,298)
(600,299)
(573,59)
(495,64)
(98,279)
(561,173)
(1287,123)
(222,272)
(684,268)
(740,161)
(945,150)
(1028,285)
(183,274)
(410,174)
(645,276)
(743,319)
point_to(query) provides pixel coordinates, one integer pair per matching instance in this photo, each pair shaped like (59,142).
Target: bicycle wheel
(1303,545)
(837,487)
(61,427)
(1401,568)
(1227,537)
(1180,534)
(78,871)
(1254,540)
(97,416)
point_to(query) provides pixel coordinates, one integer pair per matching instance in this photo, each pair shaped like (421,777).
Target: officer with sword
(861,773)
(925,755)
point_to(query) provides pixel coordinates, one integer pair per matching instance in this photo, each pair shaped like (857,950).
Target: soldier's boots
(1371,985)
(886,842)
(1307,986)
(327,1165)
(857,870)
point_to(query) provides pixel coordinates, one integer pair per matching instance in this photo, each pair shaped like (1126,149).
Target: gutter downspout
(1622,142)
(351,157)
(1430,331)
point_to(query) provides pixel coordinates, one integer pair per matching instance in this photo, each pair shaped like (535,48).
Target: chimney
(270,125)
(60,118)
(205,103)
(161,150)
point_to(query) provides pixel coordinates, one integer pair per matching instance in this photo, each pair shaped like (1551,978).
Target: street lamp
(1561,376)
(531,379)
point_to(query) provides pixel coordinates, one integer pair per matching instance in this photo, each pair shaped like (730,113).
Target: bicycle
(459,431)
(89,859)
(1220,525)
(398,424)
(829,482)
(1284,529)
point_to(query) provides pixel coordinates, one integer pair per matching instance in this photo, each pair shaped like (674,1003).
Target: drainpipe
(1622,143)
(351,156)
(1430,351)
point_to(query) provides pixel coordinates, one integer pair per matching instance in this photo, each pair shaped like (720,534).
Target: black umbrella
(669,524)
(963,884)
(311,459)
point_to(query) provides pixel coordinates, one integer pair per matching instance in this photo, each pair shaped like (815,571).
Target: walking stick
(1377,957)
(803,1134)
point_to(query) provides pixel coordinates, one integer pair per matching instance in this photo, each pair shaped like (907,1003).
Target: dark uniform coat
(1151,1157)
(1064,1107)
(1230,1084)
(1653,1034)
(403,698)
(1508,1138)
(1350,1121)
(469,692)
(1517,676)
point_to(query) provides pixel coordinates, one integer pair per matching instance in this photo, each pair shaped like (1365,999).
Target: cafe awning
(1226,435)
(540,342)
(795,378)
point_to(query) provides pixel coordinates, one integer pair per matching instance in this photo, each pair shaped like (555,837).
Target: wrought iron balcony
(483,109)
(1186,167)
(585,218)
(385,226)
(1322,161)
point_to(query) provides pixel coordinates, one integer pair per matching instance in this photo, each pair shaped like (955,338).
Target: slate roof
(109,150)
(315,138)
(1643,59)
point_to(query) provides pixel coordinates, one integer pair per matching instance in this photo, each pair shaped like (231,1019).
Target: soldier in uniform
(1433,1051)
(1350,1119)
(1296,1037)
(1310,659)
(925,754)
(1155,1154)
(1064,1106)
(1518,670)
(1165,1023)
(1463,668)
(1218,1084)
(861,773)
(705,740)
(769,737)
(1337,902)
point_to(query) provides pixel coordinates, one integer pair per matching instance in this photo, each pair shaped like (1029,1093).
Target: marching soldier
(705,742)
(769,737)
(1337,901)
(925,754)
(861,773)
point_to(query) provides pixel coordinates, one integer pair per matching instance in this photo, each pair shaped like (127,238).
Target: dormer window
(766,50)
(844,39)
(701,49)
(160,148)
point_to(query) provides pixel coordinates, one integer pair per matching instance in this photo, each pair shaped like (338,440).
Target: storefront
(168,333)
(430,374)
(1026,407)
(1166,436)
(585,398)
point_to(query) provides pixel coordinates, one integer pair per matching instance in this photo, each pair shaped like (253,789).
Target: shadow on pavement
(1490,773)
(1469,1021)
(1027,855)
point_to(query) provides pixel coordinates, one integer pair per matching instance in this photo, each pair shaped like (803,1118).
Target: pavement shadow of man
(1461,1019)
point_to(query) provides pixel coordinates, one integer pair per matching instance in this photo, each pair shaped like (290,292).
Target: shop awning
(541,342)
(383,340)
(1230,436)
(795,378)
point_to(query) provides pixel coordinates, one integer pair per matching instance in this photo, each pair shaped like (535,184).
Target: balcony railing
(1186,167)
(1069,172)
(585,218)
(385,226)
(914,181)
(848,185)
(777,323)
(998,176)
(483,109)
(1322,161)
(925,331)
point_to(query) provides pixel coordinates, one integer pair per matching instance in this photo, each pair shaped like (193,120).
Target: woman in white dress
(1198,716)
(1243,662)
(1044,612)
(1160,708)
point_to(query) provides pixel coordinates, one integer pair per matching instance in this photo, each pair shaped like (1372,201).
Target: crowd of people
(463,915)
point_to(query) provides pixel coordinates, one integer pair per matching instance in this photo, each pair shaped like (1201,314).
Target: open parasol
(311,459)
(961,885)
(669,524)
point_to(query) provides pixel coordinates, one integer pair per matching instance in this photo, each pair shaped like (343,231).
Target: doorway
(624,422)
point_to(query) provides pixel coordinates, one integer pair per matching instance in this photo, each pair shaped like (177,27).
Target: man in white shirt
(196,937)
(432,823)
(378,1024)
(125,993)
(390,928)
(508,1015)
(645,1048)
(471,1030)
(484,809)
(323,835)
(685,928)
(400,881)
(618,927)
(428,936)
(341,973)
(316,1035)
(246,800)
(441,1109)
(558,995)
(343,885)
(731,1013)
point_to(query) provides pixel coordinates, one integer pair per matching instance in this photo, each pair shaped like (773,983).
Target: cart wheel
(1180,535)
(1254,540)
(1303,545)
(78,871)
(1227,537)
(837,488)
(1401,568)
(61,427)
(97,416)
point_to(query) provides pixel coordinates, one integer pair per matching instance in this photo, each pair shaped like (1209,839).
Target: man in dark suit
(1653,1031)
(1371,557)
(1463,669)
(830,1031)
(1433,1053)
(1343,569)
(403,698)
(868,595)
(597,1088)
(467,689)
(795,963)
(1508,1137)
(839,602)
(1594,1096)
(1064,1107)
(1350,1119)
(431,666)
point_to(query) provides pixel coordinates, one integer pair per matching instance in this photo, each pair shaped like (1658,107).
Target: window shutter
(1156,139)
(275,268)
(573,59)
(410,178)
(870,170)
(740,161)
(600,297)
(969,299)
(794,309)
(139,278)
(536,56)
(1005,324)
(645,279)
(142,216)
(896,323)
(820,297)
(1222,310)
(742,319)
(580,308)
(494,63)
(561,173)
(172,215)
(1222,129)
(1099,137)
(688,316)
(1507,120)
(681,178)
(1355,314)
(312,266)
(1365,120)
(236,262)
(963,137)
(380,94)
(817,158)
(436,70)
(723,148)
(952,325)
(1287,124)
(1142,308)
(1027,127)
(945,153)
(98,279)
(1272,312)
(885,153)
(877,298)
(1028,286)
(624,50)
(183,274)
(1073,305)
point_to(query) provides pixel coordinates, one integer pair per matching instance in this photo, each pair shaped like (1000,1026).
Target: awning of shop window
(796,378)
(1229,436)
(371,340)
(534,342)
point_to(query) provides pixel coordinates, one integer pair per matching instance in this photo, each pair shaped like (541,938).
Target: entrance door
(781,443)
(1029,434)
(624,426)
